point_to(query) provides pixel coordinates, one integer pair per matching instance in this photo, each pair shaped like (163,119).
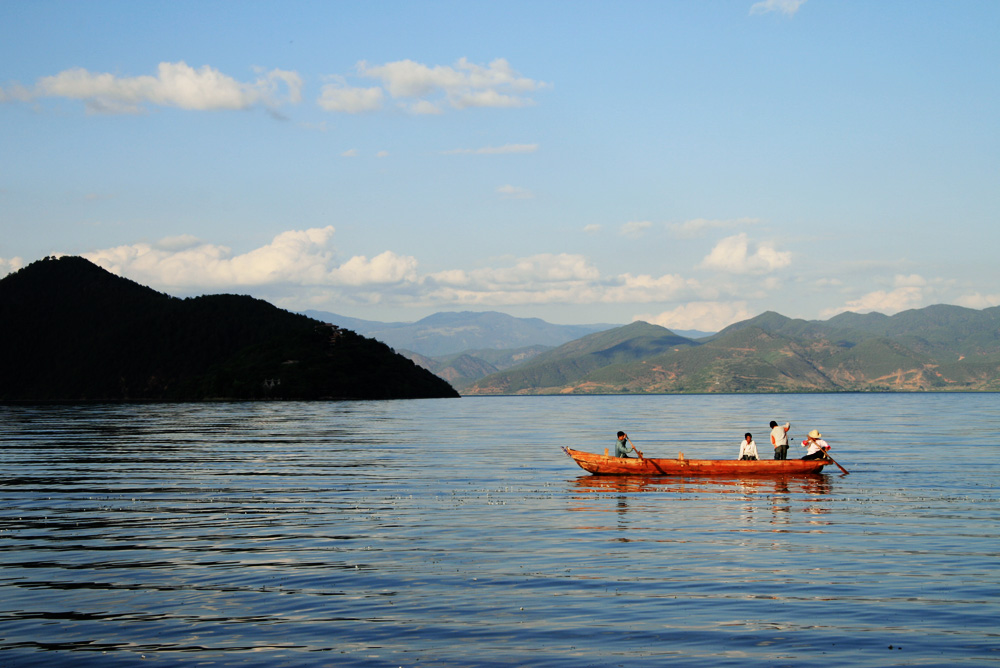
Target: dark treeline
(71,331)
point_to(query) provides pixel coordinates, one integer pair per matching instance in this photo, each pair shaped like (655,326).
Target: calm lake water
(457,533)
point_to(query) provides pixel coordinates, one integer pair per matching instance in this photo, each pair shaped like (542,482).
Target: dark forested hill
(71,331)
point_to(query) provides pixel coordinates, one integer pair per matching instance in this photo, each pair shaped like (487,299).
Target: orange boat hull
(605,465)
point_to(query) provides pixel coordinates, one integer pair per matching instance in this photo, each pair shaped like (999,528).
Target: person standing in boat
(817,446)
(779,439)
(748,449)
(623,446)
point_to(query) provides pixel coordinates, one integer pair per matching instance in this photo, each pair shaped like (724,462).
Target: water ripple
(456,533)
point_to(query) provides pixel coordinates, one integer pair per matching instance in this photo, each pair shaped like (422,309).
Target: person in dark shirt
(622,445)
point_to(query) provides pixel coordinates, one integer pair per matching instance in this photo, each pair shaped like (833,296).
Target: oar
(633,446)
(826,454)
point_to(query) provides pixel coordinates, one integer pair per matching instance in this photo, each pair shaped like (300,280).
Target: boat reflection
(818,483)
(760,499)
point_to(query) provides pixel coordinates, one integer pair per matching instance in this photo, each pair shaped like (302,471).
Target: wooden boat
(606,465)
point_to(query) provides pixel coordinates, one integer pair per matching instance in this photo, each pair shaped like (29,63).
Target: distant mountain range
(71,331)
(935,348)
(464,346)
(449,333)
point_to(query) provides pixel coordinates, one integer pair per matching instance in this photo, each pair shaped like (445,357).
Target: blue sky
(686,163)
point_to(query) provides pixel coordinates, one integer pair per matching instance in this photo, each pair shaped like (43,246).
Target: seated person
(622,446)
(817,446)
(748,449)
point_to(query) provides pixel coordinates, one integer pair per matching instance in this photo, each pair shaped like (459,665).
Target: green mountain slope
(557,369)
(748,360)
(938,329)
(71,331)
(939,348)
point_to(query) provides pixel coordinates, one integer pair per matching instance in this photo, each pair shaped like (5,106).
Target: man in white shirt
(779,439)
(748,449)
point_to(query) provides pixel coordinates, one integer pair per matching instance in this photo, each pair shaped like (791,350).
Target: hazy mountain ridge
(555,369)
(937,348)
(462,346)
(453,332)
(463,369)
(71,331)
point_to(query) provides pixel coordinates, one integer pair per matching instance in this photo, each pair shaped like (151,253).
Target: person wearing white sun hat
(817,447)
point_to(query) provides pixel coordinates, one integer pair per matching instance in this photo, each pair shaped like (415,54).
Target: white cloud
(909,291)
(300,266)
(406,78)
(696,227)
(382,154)
(788,7)
(175,85)
(384,268)
(15,93)
(978,301)
(494,150)
(424,89)
(881,301)
(703,316)
(635,229)
(486,98)
(539,279)
(425,108)
(513,192)
(304,263)
(178,243)
(645,288)
(9,266)
(732,255)
(911,281)
(295,257)
(593,228)
(542,268)
(336,97)
(549,279)
(350,153)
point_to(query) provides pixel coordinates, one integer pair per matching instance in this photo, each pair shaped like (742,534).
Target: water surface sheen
(457,533)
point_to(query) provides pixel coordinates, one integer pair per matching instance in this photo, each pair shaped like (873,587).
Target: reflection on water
(758,499)
(456,533)
(809,484)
